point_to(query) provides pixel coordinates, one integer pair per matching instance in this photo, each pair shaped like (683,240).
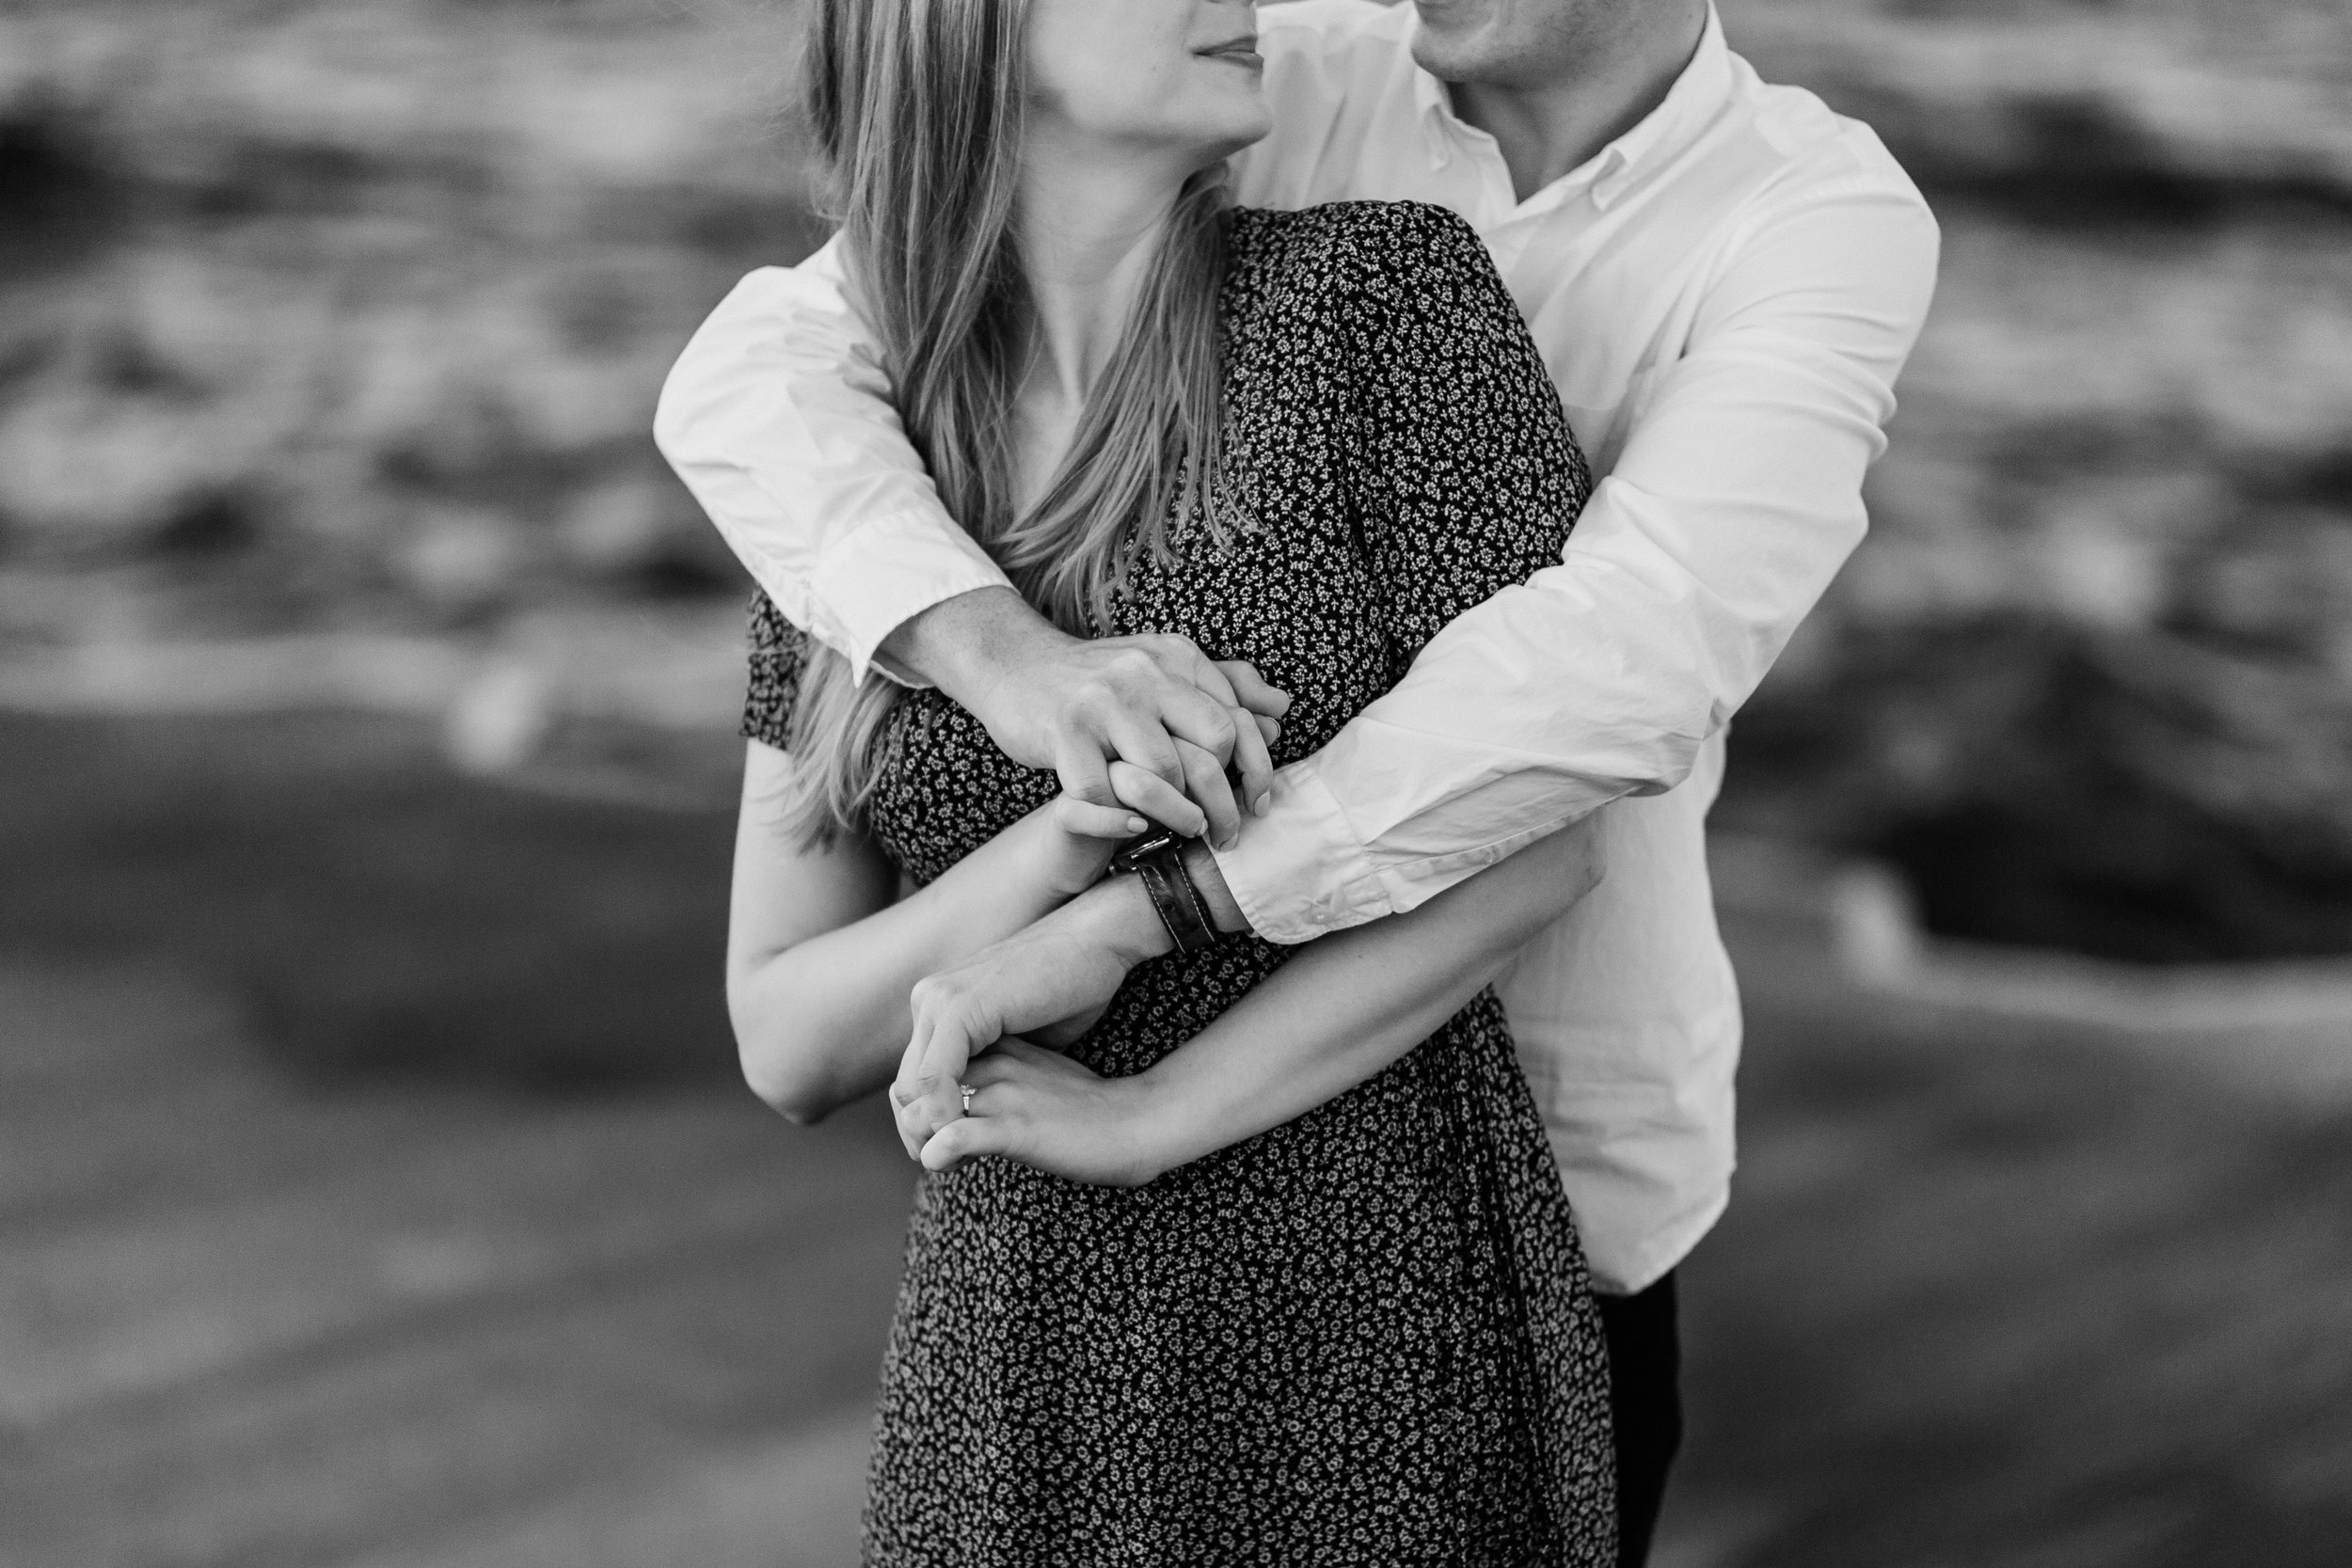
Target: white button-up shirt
(1723,297)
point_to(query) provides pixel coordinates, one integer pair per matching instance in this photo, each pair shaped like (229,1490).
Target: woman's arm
(821,961)
(1337,1014)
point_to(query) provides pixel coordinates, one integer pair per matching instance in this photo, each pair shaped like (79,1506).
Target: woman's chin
(1237,132)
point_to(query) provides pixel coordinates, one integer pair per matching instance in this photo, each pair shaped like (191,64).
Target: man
(1724,279)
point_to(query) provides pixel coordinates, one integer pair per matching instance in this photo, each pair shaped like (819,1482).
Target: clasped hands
(1143,725)
(988,1026)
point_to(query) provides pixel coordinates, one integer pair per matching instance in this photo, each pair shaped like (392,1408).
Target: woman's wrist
(1119,915)
(1160,1127)
(1058,867)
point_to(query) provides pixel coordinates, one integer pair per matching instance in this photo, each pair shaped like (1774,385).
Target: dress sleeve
(779,652)
(1466,476)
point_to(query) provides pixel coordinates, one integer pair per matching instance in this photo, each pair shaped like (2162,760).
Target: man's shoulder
(1820,149)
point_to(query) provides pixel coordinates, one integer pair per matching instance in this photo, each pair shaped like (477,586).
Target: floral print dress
(1367,1335)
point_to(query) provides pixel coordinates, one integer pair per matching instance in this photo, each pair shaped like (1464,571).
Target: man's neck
(1623,71)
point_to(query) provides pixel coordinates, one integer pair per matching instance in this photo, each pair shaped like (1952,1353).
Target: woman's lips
(1242,52)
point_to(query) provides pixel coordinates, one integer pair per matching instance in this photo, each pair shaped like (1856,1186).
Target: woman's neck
(1089,230)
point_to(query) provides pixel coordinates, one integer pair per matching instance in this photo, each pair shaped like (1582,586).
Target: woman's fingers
(925,1113)
(1205,782)
(968,1138)
(926,1096)
(1085,819)
(1130,738)
(1202,744)
(1083,765)
(1157,799)
(1214,718)
(907,1089)
(988,1125)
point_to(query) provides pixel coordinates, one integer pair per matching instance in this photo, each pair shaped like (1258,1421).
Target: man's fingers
(1252,759)
(1084,819)
(1250,690)
(1085,770)
(1158,800)
(1205,782)
(1145,744)
(1254,764)
(1182,657)
(1207,723)
(992,1125)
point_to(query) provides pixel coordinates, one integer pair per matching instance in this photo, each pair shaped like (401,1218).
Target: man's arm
(1736,500)
(778,417)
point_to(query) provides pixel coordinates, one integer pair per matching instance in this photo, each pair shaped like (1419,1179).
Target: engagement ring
(965,1090)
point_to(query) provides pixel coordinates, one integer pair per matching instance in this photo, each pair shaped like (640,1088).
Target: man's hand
(1062,971)
(1176,719)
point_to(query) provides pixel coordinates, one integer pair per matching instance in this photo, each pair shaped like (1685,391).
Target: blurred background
(375,1184)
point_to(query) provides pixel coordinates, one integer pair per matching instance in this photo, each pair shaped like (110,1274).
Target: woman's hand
(1043,1109)
(1071,842)
(1063,971)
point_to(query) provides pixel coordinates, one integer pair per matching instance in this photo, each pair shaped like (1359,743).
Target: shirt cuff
(884,573)
(1300,871)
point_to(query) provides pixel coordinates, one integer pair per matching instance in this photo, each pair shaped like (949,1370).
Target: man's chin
(1447,44)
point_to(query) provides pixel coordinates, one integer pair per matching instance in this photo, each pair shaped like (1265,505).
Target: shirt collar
(1697,94)
(1431,103)
(1689,104)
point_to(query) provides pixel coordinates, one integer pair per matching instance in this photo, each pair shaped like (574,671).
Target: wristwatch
(1157,858)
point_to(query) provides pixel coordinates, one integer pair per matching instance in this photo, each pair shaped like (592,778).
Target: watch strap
(1159,865)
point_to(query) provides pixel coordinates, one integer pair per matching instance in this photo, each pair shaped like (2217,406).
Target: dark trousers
(1646,1396)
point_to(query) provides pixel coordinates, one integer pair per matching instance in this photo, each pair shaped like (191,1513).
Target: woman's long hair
(917,112)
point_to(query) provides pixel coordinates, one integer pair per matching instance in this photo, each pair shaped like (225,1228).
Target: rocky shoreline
(346,317)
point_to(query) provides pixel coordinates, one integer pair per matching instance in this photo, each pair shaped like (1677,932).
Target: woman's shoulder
(771,633)
(1356,242)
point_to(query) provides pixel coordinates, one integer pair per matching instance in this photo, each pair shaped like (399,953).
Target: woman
(1306,441)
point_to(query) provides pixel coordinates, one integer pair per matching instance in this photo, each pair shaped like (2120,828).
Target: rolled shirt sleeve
(778,417)
(1735,501)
